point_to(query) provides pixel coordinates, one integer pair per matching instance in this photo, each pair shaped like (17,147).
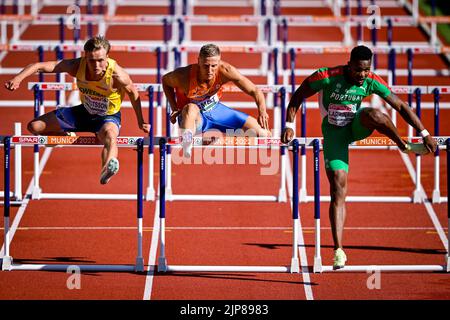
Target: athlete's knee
(108,133)
(36,127)
(338,185)
(375,116)
(191,110)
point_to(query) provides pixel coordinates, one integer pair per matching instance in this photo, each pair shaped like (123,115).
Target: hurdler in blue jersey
(341,91)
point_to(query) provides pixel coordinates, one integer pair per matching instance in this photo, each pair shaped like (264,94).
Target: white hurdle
(280,197)
(7,260)
(37,189)
(319,268)
(385,143)
(163,265)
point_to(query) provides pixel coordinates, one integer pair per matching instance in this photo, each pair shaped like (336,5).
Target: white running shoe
(187,143)
(111,168)
(340,259)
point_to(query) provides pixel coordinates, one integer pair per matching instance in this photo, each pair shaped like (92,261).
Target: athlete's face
(208,67)
(97,61)
(359,70)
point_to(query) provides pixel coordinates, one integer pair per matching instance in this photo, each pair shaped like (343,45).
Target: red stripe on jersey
(378,78)
(330,72)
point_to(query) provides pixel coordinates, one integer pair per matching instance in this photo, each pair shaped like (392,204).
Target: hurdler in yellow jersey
(103,85)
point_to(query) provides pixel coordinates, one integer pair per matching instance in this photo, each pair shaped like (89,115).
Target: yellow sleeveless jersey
(98,97)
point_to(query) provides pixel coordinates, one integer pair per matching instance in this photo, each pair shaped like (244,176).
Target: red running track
(221,233)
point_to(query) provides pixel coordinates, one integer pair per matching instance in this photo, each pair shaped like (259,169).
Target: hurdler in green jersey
(341,91)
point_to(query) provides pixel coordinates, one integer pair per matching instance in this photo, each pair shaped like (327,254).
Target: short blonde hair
(96,43)
(209,50)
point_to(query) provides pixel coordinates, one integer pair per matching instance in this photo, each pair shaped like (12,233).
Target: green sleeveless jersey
(339,99)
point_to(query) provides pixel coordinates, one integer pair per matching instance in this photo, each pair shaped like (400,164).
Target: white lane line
(26,199)
(301,241)
(229,228)
(428,206)
(152,254)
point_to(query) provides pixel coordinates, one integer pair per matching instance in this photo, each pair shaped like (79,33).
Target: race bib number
(341,114)
(208,103)
(96,105)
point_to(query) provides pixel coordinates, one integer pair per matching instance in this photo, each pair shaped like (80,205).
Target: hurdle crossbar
(7,260)
(319,268)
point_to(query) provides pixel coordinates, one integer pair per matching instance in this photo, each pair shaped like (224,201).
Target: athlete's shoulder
(377,78)
(226,69)
(327,73)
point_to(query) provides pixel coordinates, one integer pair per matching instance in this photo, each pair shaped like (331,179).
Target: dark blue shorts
(221,118)
(78,119)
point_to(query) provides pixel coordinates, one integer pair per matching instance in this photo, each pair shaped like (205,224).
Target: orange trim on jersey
(197,93)
(378,78)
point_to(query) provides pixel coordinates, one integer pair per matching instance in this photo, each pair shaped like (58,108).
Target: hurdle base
(396,199)
(162,264)
(36,194)
(7,262)
(317,268)
(448,263)
(216,197)
(417,196)
(282,195)
(150,194)
(86,196)
(65,267)
(303,196)
(139,264)
(436,197)
(295,265)
(387,268)
(269,269)
(169,194)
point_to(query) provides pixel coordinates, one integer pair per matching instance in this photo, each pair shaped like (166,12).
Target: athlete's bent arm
(411,118)
(303,92)
(70,66)
(251,89)
(169,83)
(124,81)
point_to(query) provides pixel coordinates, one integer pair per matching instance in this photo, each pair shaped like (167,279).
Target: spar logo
(26,139)
(41,140)
(129,141)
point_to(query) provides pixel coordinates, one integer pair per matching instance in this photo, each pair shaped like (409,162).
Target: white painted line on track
(301,241)
(152,254)
(428,206)
(18,217)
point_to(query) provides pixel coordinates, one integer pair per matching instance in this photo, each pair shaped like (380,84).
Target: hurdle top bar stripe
(51,86)
(247,48)
(203,141)
(146,18)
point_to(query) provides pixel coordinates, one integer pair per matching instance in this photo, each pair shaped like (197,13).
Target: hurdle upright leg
(7,259)
(162,262)
(140,185)
(448,204)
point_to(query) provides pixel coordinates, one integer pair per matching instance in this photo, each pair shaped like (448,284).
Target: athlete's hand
(263,120)
(430,143)
(174,115)
(145,127)
(12,84)
(287,135)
